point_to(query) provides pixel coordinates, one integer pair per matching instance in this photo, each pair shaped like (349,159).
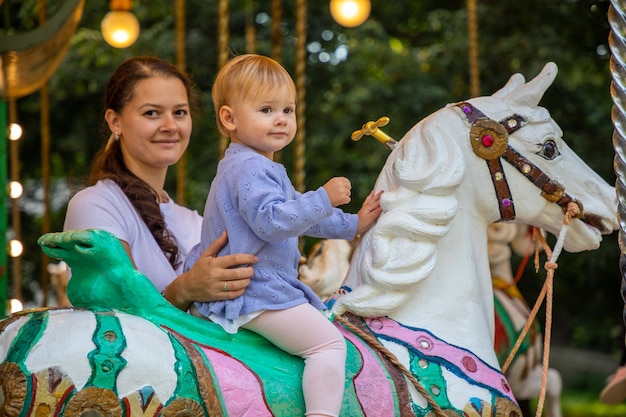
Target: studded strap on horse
(490,141)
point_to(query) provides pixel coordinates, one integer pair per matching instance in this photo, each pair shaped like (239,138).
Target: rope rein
(377,345)
(573,210)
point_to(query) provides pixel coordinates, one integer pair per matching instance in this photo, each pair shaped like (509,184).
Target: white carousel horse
(425,264)
(525,372)
(419,283)
(327,263)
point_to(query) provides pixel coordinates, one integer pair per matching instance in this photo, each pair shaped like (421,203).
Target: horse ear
(514,82)
(531,93)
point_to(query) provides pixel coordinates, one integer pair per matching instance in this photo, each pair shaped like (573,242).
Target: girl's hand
(338,190)
(369,212)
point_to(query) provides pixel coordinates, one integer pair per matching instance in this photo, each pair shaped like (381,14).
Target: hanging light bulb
(15,131)
(350,13)
(15,248)
(15,305)
(15,189)
(120,27)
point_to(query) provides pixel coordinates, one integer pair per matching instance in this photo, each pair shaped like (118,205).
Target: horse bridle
(490,141)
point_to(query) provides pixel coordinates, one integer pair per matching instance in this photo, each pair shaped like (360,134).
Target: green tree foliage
(408,60)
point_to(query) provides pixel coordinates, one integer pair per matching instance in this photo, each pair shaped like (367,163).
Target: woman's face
(154,126)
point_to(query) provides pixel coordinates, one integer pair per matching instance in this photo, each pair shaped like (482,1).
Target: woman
(148,112)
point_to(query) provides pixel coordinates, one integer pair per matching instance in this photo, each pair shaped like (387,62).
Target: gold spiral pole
(472,31)
(300,81)
(617,65)
(181,166)
(277,39)
(45,165)
(250,30)
(4,281)
(222,52)
(277,50)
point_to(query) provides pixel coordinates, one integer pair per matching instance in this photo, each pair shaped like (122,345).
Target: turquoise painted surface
(104,279)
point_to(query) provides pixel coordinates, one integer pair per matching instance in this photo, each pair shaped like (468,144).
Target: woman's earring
(117,136)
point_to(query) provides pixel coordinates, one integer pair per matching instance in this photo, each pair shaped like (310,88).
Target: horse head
(536,161)
(468,165)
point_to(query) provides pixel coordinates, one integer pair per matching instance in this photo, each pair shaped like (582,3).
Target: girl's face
(266,123)
(154,126)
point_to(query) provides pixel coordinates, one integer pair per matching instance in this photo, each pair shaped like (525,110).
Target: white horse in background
(512,312)
(326,266)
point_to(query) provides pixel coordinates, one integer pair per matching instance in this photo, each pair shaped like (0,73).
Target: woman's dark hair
(109,162)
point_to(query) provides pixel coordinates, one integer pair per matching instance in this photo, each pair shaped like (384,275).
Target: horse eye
(549,150)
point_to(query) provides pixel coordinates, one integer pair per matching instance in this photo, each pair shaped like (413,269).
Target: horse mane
(419,180)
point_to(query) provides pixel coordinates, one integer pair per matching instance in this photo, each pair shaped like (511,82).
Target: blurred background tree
(409,59)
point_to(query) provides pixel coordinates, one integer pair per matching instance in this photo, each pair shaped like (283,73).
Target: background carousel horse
(58,279)
(326,266)
(419,282)
(511,313)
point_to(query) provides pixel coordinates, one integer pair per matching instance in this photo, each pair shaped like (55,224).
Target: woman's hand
(212,278)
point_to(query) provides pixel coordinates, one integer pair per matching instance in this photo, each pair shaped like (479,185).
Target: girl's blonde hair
(247,75)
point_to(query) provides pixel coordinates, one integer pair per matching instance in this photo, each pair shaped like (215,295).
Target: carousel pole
(45,165)
(181,167)
(250,30)
(300,81)
(617,65)
(299,157)
(472,29)
(3,207)
(277,43)
(277,47)
(222,52)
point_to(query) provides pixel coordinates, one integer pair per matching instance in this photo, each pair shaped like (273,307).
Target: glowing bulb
(350,13)
(15,131)
(120,28)
(15,305)
(15,248)
(15,189)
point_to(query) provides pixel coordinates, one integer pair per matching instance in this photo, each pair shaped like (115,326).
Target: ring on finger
(225,286)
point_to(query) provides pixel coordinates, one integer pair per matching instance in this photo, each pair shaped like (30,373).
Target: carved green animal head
(103,276)
(90,248)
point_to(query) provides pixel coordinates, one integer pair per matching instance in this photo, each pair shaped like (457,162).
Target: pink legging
(304,331)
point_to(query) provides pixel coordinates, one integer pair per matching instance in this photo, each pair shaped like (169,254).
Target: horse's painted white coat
(425,262)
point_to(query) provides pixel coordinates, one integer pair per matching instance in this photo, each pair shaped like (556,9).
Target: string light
(15,189)
(350,13)
(15,131)
(15,248)
(120,27)
(15,305)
